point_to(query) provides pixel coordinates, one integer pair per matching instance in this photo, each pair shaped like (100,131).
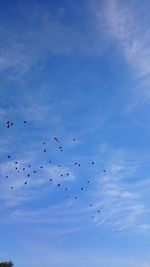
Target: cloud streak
(120,197)
(125,27)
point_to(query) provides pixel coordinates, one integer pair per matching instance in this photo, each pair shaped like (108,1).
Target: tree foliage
(6,264)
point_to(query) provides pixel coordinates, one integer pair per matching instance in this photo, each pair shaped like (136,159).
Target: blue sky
(75,69)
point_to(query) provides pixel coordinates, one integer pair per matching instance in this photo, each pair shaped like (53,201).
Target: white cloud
(127,25)
(121,198)
(38,184)
(132,34)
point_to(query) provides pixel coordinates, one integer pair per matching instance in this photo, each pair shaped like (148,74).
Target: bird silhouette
(61,184)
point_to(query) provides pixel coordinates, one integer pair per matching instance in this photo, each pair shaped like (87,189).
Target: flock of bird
(28,170)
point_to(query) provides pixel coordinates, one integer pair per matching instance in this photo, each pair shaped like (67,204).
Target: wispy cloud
(38,184)
(131,33)
(120,197)
(123,25)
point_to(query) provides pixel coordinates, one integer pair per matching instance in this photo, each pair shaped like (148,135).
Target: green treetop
(6,264)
